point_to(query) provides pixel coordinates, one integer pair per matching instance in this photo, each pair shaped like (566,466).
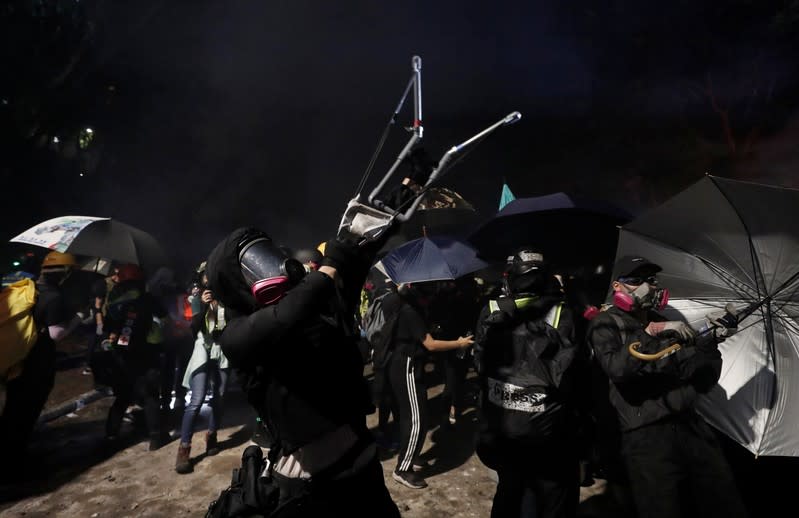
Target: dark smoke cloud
(266,113)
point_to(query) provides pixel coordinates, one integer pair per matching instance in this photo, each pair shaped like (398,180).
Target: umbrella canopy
(723,241)
(568,230)
(96,237)
(436,258)
(442,211)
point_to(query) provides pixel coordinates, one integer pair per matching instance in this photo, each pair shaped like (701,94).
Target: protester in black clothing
(412,343)
(456,312)
(129,324)
(293,338)
(99,291)
(177,343)
(27,393)
(530,371)
(674,463)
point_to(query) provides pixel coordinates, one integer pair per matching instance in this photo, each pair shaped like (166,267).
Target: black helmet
(527,272)
(525,261)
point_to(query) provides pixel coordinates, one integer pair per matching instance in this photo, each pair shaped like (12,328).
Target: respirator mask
(647,296)
(268,270)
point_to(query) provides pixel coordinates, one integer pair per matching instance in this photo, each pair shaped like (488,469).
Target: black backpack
(524,399)
(252,492)
(383,342)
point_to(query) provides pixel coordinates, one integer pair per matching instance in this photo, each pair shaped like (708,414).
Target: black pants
(25,399)
(456,367)
(139,387)
(410,396)
(677,469)
(550,475)
(362,494)
(383,399)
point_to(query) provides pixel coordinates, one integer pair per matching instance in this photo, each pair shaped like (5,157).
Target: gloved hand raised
(341,254)
(675,329)
(724,323)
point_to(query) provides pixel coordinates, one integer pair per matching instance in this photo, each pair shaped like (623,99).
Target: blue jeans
(208,373)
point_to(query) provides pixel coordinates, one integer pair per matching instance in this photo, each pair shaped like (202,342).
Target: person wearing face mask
(530,370)
(674,464)
(292,337)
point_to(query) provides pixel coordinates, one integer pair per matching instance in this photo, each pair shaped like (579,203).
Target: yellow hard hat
(321,247)
(57,259)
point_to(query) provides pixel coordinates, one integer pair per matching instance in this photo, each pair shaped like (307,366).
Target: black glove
(342,255)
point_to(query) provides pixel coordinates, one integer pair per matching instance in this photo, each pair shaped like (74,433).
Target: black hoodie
(300,355)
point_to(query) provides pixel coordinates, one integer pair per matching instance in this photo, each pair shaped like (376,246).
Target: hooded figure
(293,339)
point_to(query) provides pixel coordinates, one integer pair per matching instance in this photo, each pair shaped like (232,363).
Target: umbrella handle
(633,349)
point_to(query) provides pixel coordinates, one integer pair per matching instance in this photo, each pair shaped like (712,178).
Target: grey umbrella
(723,241)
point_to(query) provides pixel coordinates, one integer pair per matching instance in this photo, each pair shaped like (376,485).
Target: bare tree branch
(723,115)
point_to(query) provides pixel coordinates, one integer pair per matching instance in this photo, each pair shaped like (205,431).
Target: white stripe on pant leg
(415,421)
(413,438)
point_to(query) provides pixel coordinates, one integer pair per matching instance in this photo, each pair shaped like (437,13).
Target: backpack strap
(621,326)
(553,316)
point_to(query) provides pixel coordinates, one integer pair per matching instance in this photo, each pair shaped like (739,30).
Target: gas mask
(268,270)
(645,297)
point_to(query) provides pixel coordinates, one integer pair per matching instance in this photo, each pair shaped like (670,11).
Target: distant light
(16,263)
(81,174)
(55,140)
(85,138)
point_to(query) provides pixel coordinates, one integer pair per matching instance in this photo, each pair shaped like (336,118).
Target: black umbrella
(568,230)
(97,237)
(441,212)
(723,242)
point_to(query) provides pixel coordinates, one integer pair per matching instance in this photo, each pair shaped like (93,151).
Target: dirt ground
(72,473)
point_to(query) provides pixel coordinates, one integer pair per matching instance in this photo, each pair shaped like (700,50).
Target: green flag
(507,196)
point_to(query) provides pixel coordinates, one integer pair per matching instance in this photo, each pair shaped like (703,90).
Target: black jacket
(304,367)
(643,392)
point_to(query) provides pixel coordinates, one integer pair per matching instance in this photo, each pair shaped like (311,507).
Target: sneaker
(87,371)
(409,479)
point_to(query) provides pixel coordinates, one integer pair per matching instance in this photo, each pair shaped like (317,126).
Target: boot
(211,445)
(183,462)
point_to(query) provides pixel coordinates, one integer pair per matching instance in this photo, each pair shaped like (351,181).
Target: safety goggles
(637,281)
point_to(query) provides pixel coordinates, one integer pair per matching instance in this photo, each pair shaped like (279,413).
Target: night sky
(210,115)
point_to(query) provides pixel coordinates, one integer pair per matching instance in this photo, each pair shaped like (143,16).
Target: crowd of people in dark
(318,339)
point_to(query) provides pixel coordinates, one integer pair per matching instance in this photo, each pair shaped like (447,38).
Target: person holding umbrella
(656,369)
(411,343)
